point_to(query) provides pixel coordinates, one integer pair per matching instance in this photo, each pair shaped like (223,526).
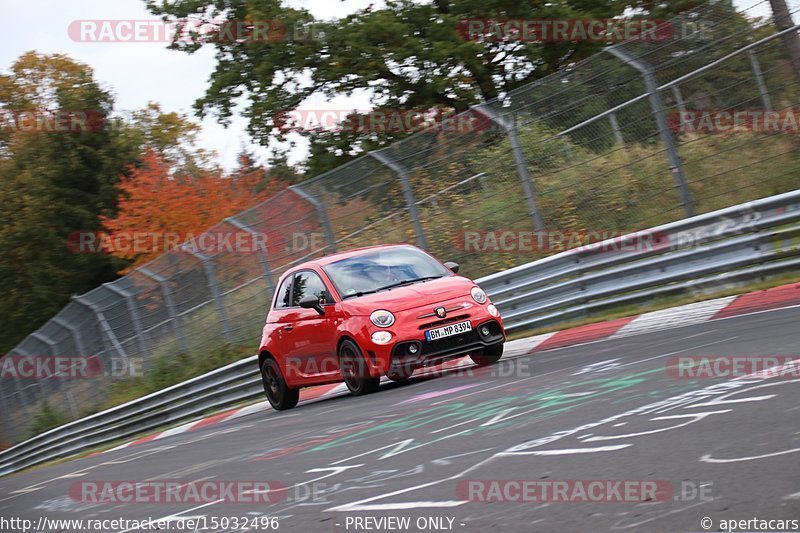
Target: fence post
(211,276)
(23,392)
(676,92)
(321,212)
(8,424)
(522,165)
(612,118)
(177,326)
(408,193)
(76,338)
(675,164)
(262,252)
(106,333)
(42,389)
(762,88)
(51,344)
(130,301)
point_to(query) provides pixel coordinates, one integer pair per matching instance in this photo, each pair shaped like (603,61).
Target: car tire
(353,368)
(489,356)
(279,394)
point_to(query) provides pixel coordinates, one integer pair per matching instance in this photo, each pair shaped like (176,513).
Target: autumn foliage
(154,201)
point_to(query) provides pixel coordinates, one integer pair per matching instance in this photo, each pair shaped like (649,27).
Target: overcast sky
(137,73)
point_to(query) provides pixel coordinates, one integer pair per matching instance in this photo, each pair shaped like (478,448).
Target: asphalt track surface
(729,448)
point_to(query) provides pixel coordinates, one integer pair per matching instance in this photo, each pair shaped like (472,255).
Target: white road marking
(693,417)
(638,361)
(175,431)
(400,506)
(600,366)
(683,315)
(528,343)
(708,459)
(568,451)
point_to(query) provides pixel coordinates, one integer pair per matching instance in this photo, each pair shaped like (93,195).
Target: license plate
(447,331)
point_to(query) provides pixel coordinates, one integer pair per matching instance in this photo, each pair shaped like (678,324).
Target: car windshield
(382,270)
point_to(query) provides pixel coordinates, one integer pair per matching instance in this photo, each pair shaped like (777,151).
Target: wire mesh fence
(641,134)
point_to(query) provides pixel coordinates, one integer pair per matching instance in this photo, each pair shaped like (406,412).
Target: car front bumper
(398,355)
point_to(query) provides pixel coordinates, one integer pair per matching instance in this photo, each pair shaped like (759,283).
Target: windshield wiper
(407,281)
(359,293)
(393,285)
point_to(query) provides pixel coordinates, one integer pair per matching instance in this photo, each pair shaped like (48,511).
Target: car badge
(441,312)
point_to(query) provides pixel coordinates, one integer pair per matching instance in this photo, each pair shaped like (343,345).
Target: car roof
(328,259)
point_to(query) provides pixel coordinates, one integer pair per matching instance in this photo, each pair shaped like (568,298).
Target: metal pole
(76,338)
(211,276)
(408,193)
(321,212)
(39,382)
(133,311)
(676,92)
(676,81)
(675,163)
(105,329)
(612,118)
(262,251)
(8,423)
(762,87)
(522,165)
(177,326)
(22,389)
(791,42)
(51,344)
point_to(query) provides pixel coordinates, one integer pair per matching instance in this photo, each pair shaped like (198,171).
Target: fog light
(485,331)
(492,310)
(381,337)
(413,348)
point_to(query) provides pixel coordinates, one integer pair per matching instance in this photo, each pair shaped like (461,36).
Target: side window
(306,284)
(284,294)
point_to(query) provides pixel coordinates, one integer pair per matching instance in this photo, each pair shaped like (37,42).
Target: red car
(366,313)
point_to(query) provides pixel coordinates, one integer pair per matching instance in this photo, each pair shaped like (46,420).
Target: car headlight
(381,337)
(492,310)
(382,318)
(478,295)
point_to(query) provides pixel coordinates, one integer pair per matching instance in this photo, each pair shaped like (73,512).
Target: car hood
(410,296)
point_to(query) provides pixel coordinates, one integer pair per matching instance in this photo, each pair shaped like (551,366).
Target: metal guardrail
(737,243)
(225,386)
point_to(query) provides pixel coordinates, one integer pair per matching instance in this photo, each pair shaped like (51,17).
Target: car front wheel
(354,371)
(489,356)
(280,396)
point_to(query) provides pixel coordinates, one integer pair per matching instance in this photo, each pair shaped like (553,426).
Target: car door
(281,322)
(311,341)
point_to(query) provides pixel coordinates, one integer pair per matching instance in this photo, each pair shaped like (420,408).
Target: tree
(55,187)
(154,200)
(408,55)
(173,136)
(52,185)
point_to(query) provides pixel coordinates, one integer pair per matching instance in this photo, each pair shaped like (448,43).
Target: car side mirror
(452,266)
(312,302)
